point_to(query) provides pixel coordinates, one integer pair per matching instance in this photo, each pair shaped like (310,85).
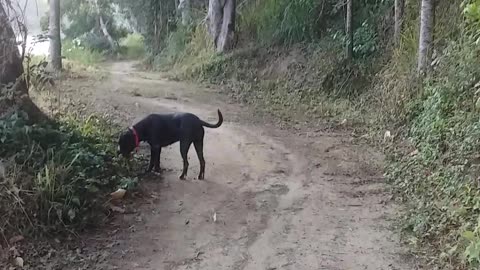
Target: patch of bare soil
(272,198)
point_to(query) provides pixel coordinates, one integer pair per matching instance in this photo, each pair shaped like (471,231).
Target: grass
(57,174)
(132,46)
(81,56)
(282,21)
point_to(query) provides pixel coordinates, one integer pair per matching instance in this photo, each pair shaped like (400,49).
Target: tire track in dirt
(283,201)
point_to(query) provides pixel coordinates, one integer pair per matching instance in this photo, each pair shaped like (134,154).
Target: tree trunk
(349,30)
(221,23)
(54,35)
(13,87)
(104,29)
(184,8)
(399,10)
(426,35)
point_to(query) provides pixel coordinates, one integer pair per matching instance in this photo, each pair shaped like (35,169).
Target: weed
(280,21)
(81,55)
(57,174)
(132,46)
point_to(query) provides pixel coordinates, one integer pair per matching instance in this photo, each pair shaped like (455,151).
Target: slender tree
(54,35)
(103,27)
(426,35)
(399,10)
(349,30)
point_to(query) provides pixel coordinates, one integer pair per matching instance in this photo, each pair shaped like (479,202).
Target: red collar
(137,139)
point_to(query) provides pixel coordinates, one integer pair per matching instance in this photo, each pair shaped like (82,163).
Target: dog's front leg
(153,155)
(156,160)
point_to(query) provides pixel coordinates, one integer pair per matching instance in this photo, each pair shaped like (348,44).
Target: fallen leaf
(198,254)
(71,214)
(387,136)
(19,262)
(119,194)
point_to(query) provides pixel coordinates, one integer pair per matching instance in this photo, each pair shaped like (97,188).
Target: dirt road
(282,199)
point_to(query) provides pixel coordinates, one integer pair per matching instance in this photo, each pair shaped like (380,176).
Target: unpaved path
(283,199)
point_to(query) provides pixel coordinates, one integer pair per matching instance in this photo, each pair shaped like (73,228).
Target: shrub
(57,174)
(440,182)
(132,46)
(280,20)
(74,51)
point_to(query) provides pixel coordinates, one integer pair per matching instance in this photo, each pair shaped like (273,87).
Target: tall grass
(132,46)
(188,47)
(81,55)
(56,174)
(281,21)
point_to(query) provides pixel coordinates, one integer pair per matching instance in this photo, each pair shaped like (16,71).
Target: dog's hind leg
(184,147)
(199,149)
(156,161)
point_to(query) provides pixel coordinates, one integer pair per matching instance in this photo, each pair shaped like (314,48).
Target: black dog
(161,130)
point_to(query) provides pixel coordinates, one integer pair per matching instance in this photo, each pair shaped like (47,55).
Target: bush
(93,42)
(280,20)
(57,174)
(175,48)
(132,46)
(440,182)
(74,51)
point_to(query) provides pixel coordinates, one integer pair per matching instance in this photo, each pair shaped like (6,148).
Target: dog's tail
(218,124)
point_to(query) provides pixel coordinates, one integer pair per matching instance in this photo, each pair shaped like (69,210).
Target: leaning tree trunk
(426,35)
(399,10)
(221,23)
(54,35)
(349,30)
(104,29)
(13,87)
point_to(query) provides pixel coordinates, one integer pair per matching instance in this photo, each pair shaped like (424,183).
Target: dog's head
(126,144)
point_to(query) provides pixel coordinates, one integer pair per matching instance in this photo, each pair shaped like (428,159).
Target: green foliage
(38,77)
(57,173)
(472,11)
(175,47)
(82,55)
(84,25)
(365,40)
(280,20)
(93,42)
(472,14)
(439,184)
(132,46)
(187,49)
